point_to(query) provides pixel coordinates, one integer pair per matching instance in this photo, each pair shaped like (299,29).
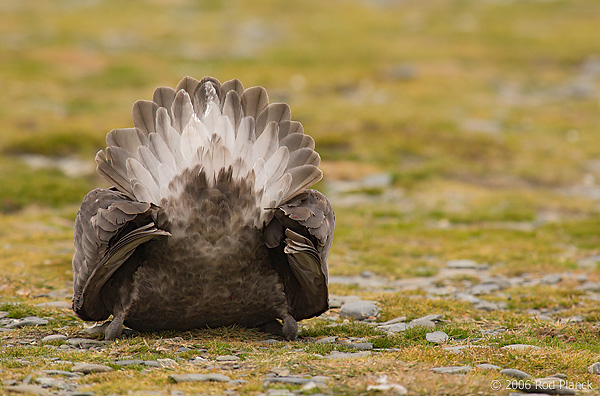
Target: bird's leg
(290,328)
(115,328)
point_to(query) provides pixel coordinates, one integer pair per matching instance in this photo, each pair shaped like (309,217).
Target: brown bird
(210,222)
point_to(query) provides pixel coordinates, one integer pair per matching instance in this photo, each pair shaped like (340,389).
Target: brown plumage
(209,222)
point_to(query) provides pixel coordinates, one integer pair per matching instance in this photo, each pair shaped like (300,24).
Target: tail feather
(211,127)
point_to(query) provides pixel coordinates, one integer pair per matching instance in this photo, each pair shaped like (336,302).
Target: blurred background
(430,117)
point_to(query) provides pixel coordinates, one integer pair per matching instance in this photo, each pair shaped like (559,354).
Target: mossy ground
(486,114)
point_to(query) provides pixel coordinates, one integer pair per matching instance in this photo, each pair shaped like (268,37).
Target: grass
(484,114)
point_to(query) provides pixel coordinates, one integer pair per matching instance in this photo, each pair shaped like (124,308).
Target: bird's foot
(288,330)
(115,328)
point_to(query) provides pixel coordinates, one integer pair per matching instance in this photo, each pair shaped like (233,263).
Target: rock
(515,373)
(551,279)
(290,379)
(151,363)
(488,366)
(28,321)
(167,363)
(487,306)
(392,321)
(594,368)
(227,358)
(68,374)
(338,301)
(128,362)
(467,298)
(347,355)
(327,340)
(452,369)
(182,349)
(589,286)
(359,310)
(437,337)
(28,389)
(87,368)
(484,288)
(238,382)
(462,264)
(55,304)
(362,346)
(394,389)
(3,314)
(48,382)
(54,337)
(396,327)
(84,343)
(428,321)
(280,371)
(521,347)
(213,377)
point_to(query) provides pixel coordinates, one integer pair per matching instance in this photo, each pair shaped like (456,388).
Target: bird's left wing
(108,228)
(299,239)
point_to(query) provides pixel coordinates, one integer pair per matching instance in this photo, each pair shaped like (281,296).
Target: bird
(210,220)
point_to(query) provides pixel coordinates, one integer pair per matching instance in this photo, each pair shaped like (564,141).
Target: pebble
(290,379)
(359,310)
(392,321)
(227,358)
(48,382)
(28,321)
(327,340)
(395,389)
(437,337)
(361,346)
(488,366)
(128,362)
(594,368)
(397,327)
(167,363)
(68,374)
(54,337)
(589,286)
(521,347)
(462,264)
(338,301)
(214,377)
(515,373)
(87,368)
(84,343)
(55,304)
(28,389)
(452,369)
(551,279)
(347,355)
(487,306)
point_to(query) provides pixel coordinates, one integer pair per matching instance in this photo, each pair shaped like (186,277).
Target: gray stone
(48,382)
(28,321)
(290,379)
(327,340)
(485,288)
(347,355)
(3,314)
(84,343)
(359,310)
(462,264)
(214,377)
(62,373)
(551,279)
(54,337)
(521,347)
(128,362)
(589,286)
(28,389)
(487,306)
(437,337)
(594,368)
(392,321)
(515,373)
(227,358)
(467,298)
(151,363)
(488,366)
(362,346)
(167,363)
(452,369)
(395,328)
(87,368)
(338,301)
(238,382)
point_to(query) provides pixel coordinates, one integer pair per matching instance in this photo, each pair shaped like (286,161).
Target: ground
(460,150)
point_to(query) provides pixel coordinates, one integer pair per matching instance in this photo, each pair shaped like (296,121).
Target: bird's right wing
(299,239)
(108,229)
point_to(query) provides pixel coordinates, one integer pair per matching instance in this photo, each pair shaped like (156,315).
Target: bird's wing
(108,228)
(299,239)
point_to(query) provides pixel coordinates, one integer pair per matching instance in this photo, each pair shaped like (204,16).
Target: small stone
(54,337)
(359,310)
(28,389)
(338,301)
(488,366)
(238,382)
(551,279)
(48,382)
(61,373)
(559,376)
(87,368)
(462,264)
(485,288)
(395,389)
(28,321)
(84,343)
(466,297)
(589,286)
(290,379)
(167,363)
(227,358)
(437,337)
(128,362)
(487,306)
(452,369)
(280,371)
(182,349)
(3,314)
(347,355)
(515,373)
(214,377)
(361,346)
(594,368)
(395,328)
(151,363)
(521,347)
(392,321)
(327,340)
